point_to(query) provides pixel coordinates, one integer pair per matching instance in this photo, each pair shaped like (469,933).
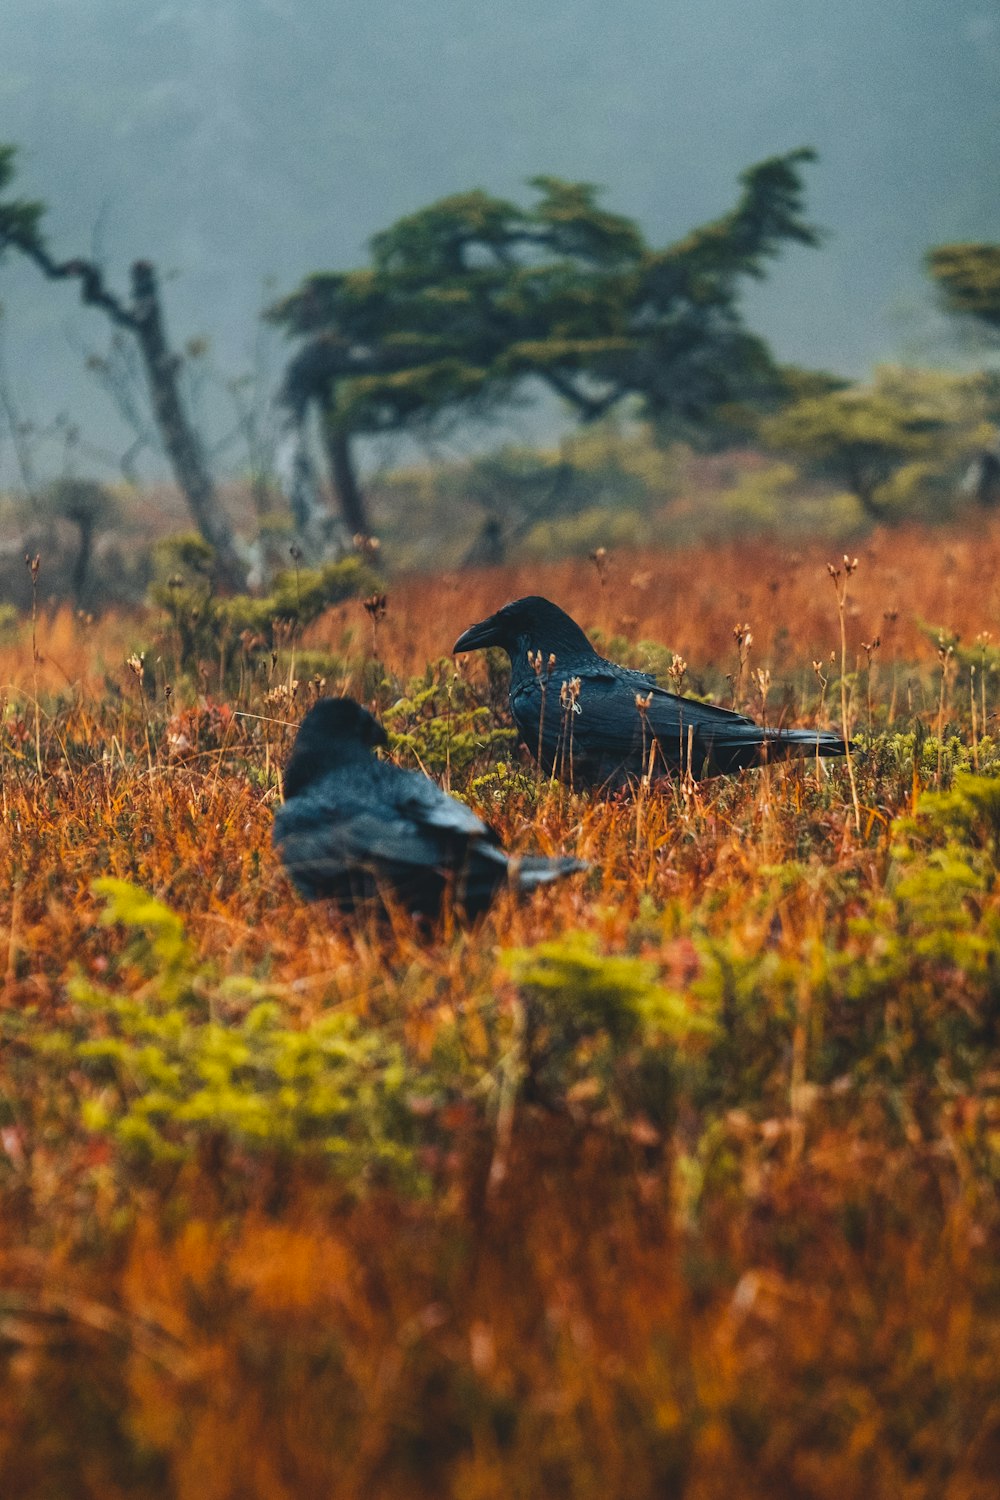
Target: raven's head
(531,624)
(333,732)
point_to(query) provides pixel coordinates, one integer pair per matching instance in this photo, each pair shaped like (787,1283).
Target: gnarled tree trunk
(318,532)
(144,320)
(345,479)
(180,439)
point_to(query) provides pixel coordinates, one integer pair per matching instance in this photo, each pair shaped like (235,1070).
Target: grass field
(680,1179)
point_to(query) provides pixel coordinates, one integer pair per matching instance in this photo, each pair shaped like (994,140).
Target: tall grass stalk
(34,564)
(840,578)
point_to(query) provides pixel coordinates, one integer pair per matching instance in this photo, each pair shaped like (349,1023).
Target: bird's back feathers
(355,829)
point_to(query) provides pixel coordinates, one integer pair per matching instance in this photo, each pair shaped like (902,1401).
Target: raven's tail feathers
(533,870)
(742,748)
(784,743)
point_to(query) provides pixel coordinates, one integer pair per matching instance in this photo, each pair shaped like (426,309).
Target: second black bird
(597,724)
(355,830)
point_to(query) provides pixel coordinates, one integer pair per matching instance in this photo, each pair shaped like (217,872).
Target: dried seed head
(599,557)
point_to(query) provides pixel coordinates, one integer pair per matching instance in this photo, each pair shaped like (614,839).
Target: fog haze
(248,141)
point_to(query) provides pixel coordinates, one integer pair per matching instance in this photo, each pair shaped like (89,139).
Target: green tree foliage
(91,508)
(467,301)
(909,427)
(19,218)
(968,277)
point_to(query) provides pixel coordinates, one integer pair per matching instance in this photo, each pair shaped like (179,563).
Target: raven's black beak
(477,636)
(374,733)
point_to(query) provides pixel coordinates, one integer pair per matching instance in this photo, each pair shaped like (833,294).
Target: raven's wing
(324,839)
(670,713)
(586,742)
(605,737)
(641,679)
(422,800)
(719,741)
(386,820)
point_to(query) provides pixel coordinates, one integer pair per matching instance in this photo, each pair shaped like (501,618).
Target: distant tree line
(472,303)
(470,300)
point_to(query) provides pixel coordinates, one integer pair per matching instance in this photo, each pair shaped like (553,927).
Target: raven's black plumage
(354,829)
(602,737)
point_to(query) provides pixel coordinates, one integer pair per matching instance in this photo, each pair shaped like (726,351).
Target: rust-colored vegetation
(679,1180)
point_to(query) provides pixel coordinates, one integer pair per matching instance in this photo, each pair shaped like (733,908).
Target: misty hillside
(246,143)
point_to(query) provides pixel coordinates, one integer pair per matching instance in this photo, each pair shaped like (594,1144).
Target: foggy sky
(233,141)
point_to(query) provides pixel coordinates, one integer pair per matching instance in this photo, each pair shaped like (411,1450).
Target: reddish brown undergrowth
(746,1250)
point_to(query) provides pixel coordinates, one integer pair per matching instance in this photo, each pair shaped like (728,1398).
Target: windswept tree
(140,315)
(91,508)
(968,279)
(908,424)
(471,301)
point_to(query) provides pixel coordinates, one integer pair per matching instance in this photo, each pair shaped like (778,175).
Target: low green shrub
(442,724)
(600,1034)
(201,627)
(180,1060)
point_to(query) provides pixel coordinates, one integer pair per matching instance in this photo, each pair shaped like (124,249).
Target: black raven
(353,827)
(592,722)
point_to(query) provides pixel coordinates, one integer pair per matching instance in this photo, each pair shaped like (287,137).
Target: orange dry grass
(795,1297)
(690,600)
